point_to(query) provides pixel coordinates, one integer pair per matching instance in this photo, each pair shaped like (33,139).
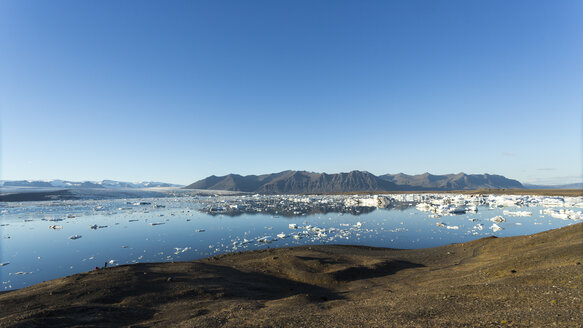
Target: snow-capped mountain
(107,184)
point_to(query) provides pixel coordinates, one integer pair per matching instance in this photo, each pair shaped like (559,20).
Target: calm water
(123,231)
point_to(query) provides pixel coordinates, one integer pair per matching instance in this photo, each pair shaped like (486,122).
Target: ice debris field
(50,239)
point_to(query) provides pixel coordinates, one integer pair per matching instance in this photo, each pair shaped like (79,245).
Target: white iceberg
(517,213)
(498,219)
(496,227)
(266,239)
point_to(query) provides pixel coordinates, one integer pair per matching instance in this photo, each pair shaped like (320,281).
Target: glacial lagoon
(51,239)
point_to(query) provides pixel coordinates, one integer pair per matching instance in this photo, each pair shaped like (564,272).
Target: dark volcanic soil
(526,281)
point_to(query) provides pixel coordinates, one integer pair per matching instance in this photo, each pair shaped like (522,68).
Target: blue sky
(176,91)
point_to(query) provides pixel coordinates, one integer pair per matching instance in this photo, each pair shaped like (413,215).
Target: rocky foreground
(525,281)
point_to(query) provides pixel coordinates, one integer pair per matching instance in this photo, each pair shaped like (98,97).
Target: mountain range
(104,184)
(460,181)
(304,182)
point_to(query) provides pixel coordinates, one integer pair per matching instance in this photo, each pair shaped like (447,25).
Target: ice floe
(517,213)
(564,214)
(498,219)
(494,227)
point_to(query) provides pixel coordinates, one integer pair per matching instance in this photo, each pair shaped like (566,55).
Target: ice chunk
(498,219)
(156,223)
(181,250)
(281,235)
(496,227)
(95,227)
(4,263)
(75,237)
(517,213)
(424,207)
(293,226)
(265,239)
(55,227)
(453,227)
(564,214)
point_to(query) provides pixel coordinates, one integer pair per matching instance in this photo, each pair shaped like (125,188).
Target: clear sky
(176,91)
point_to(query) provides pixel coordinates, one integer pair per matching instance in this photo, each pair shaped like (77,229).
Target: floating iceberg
(496,227)
(266,239)
(564,214)
(517,213)
(498,219)
(95,227)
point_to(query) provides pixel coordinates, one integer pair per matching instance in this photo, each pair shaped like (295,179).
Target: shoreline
(68,194)
(531,280)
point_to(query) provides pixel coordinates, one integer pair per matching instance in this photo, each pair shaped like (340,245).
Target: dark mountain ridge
(304,182)
(460,181)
